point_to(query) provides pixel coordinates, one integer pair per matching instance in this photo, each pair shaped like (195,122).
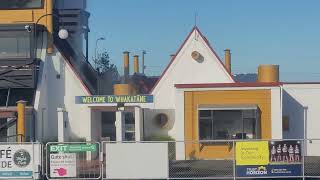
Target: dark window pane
(205,113)
(20,4)
(205,129)
(3,97)
(108,125)
(17,44)
(129,126)
(21,94)
(228,124)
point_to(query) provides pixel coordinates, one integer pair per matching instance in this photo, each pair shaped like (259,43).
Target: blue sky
(284,32)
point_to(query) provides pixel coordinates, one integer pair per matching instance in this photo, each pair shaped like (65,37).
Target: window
(21,4)
(15,45)
(108,125)
(229,124)
(129,126)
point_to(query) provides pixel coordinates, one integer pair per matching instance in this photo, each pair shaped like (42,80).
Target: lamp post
(63,33)
(96,48)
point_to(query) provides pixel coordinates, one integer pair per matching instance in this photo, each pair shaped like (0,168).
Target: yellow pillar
(136,64)
(227,58)
(21,131)
(126,65)
(50,26)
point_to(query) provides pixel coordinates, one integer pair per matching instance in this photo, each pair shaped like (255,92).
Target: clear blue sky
(284,32)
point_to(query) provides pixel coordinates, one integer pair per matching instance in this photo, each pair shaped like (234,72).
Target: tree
(108,72)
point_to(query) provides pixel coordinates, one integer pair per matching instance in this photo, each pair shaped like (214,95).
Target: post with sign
(70,160)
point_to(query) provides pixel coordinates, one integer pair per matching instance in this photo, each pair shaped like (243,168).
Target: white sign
(137,161)
(63,165)
(16,161)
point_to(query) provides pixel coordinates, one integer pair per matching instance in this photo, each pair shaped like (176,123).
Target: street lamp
(63,33)
(96,48)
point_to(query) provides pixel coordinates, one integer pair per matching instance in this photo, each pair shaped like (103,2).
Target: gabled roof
(195,28)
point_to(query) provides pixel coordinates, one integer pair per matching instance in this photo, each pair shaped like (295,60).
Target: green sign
(73,148)
(114,99)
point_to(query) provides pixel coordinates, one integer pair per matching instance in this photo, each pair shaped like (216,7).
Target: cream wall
(301,104)
(185,70)
(59,92)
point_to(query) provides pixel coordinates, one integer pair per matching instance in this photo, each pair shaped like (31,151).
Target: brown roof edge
(237,84)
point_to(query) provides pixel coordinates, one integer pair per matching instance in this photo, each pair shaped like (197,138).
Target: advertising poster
(16,161)
(268,158)
(63,165)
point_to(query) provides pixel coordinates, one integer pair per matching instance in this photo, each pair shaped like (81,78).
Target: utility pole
(143,66)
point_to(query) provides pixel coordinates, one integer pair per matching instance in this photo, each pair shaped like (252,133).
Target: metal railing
(210,159)
(217,159)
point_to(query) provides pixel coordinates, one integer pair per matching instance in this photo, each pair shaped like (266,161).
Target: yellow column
(136,64)
(50,26)
(21,131)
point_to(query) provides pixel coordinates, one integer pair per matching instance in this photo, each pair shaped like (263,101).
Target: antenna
(143,66)
(195,18)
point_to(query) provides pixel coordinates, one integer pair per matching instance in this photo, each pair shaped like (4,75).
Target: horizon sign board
(102,99)
(268,158)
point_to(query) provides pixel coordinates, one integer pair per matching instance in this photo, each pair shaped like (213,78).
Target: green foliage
(159,138)
(103,65)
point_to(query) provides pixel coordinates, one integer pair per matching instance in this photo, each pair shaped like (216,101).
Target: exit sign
(73,148)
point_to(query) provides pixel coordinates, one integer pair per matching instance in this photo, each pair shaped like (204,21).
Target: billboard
(268,158)
(18,161)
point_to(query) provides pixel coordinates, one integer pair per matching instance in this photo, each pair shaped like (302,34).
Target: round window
(162,120)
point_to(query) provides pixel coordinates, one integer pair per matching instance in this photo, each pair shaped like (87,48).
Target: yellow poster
(252,153)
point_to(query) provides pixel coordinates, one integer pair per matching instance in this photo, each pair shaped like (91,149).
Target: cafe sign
(114,99)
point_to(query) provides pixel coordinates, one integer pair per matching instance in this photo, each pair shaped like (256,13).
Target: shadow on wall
(294,112)
(56,92)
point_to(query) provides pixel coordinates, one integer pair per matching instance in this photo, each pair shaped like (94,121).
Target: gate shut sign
(16,161)
(63,165)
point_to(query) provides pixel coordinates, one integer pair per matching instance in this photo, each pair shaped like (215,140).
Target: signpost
(64,158)
(268,158)
(114,99)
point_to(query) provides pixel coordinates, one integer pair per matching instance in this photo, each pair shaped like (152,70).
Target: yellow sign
(252,153)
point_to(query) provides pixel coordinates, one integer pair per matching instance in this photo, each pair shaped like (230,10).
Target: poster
(273,158)
(16,161)
(63,165)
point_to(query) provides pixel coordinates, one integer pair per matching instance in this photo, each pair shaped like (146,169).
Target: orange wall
(29,16)
(262,98)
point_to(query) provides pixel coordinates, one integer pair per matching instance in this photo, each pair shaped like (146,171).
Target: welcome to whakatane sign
(114,99)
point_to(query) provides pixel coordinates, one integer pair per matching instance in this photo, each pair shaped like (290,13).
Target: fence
(219,159)
(232,159)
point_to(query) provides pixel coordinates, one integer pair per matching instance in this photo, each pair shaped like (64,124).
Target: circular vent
(195,55)
(162,120)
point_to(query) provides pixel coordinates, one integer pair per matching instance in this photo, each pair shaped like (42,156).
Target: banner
(114,99)
(16,161)
(273,158)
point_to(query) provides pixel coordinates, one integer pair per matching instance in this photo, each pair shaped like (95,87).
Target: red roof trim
(237,84)
(301,82)
(178,51)
(77,75)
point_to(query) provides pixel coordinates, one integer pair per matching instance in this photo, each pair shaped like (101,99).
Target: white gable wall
(185,70)
(53,93)
(301,102)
